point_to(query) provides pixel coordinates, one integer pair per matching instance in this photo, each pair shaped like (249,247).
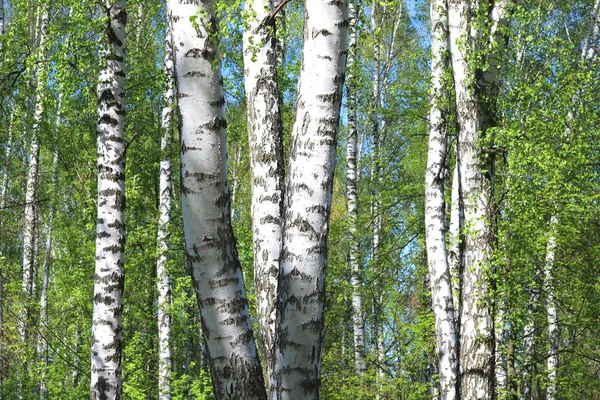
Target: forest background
(541,151)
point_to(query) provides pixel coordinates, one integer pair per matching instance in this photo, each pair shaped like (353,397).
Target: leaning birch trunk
(299,328)
(266,162)
(210,245)
(553,333)
(31,191)
(165,360)
(435,211)
(358,319)
(475,94)
(107,327)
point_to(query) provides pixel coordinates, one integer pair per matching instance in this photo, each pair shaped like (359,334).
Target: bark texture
(476,87)
(266,162)
(299,329)
(107,327)
(165,360)
(435,211)
(210,246)
(358,319)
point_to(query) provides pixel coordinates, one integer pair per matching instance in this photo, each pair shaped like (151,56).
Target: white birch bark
(164,316)
(435,211)
(475,95)
(265,137)
(358,319)
(31,190)
(210,245)
(454,248)
(552,314)
(107,338)
(377,335)
(299,328)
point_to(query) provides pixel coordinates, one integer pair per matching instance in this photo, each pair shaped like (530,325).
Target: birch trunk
(3,190)
(107,339)
(475,96)
(42,348)
(552,314)
(455,255)
(165,360)
(375,181)
(358,319)
(31,191)
(299,328)
(210,245)
(265,137)
(435,212)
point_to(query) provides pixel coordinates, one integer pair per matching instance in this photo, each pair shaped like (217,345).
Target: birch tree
(435,210)
(299,327)
(210,246)
(358,319)
(107,326)
(475,91)
(31,190)
(265,138)
(165,360)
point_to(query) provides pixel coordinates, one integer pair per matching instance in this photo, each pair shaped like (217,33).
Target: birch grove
(431,232)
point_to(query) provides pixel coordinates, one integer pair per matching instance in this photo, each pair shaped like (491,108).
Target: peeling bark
(107,327)
(299,327)
(210,245)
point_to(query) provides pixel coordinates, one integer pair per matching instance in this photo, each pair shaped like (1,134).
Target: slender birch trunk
(553,333)
(358,319)
(107,327)
(265,135)
(3,191)
(31,191)
(475,94)
(455,256)
(435,211)
(299,328)
(165,360)
(42,348)
(377,331)
(210,245)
